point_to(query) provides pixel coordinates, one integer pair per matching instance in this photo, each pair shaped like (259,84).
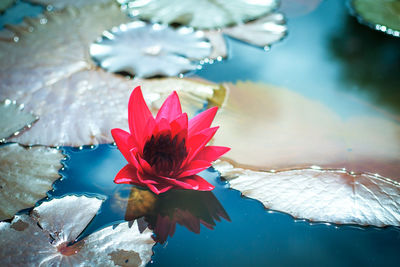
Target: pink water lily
(166,152)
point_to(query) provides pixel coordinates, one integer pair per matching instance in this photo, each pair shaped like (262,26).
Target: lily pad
(145,50)
(201,14)
(383,15)
(26,174)
(4,4)
(14,119)
(83,109)
(44,238)
(280,129)
(60,4)
(316,194)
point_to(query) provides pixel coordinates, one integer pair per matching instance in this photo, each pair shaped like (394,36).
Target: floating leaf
(383,15)
(270,128)
(145,50)
(14,119)
(26,63)
(203,14)
(262,32)
(60,4)
(82,109)
(44,238)
(321,195)
(4,4)
(26,174)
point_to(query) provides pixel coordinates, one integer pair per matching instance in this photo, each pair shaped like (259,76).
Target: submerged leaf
(60,4)
(14,119)
(381,15)
(26,174)
(203,14)
(334,196)
(145,50)
(280,129)
(44,237)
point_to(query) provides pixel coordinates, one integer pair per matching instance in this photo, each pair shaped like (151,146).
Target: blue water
(252,236)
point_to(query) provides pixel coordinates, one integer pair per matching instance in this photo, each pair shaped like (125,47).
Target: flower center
(165,154)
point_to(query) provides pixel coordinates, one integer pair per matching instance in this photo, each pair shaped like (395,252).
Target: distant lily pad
(383,15)
(60,4)
(145,50)
(26,174)
(201,14)
(4,4)
(334,196)
(44,238)
(14,119)
(280,129)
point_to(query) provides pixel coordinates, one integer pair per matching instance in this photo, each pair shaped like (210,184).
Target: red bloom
(167,151)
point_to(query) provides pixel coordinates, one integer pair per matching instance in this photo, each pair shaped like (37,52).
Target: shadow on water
(370,62)
(188,232)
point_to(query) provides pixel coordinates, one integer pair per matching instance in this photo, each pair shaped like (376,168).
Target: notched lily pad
(26,174)
(201,14)
(383,15)
(14,119)
(334,196)
(280,129)
(45,238)
(145,50)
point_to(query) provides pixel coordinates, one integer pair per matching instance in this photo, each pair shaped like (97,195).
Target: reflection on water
(162,212)
(370,61)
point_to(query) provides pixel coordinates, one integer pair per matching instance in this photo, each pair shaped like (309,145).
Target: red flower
(167,151)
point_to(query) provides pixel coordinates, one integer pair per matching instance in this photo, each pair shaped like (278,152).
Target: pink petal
(170,109)
(147,178)
(159,188)
(179,124)
(198,183)
(127,175)
(178,184)
(133,158)
(198,141)
(138,115)
(211,153)
(195,167)
(162,127)
(146,166)
(125,142)
(201,121)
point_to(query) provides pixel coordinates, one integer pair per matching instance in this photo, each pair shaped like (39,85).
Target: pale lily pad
(280,129)
(4,4)
(201,14)
(145,50)
(60,4)
(82,109)
(44,238)
(383,15)
(14,119)
(334,196)
(26,174)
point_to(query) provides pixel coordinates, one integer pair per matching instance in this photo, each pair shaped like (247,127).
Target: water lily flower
(166,152)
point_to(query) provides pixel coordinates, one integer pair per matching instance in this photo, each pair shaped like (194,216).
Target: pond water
(327,56)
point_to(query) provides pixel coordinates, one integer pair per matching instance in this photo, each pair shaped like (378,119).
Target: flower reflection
(161,213)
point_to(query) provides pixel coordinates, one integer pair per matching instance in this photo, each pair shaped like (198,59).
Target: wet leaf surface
(145,50)
(45,237)
(83,108)
(382,15)
(280,129)
(334,196)
(204,14)
(26,174)
(14,119)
